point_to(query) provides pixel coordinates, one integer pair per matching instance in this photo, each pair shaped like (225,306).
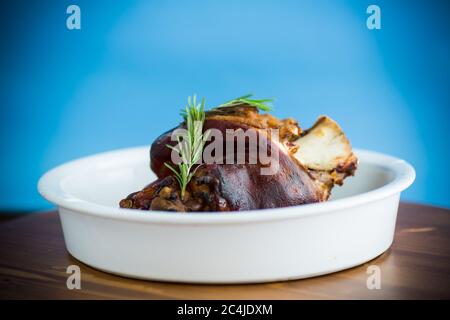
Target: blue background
(121,79)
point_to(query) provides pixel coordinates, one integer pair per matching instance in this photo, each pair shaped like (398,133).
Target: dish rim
(49,187)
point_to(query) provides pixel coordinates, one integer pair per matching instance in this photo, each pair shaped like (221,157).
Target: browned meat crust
(235,187)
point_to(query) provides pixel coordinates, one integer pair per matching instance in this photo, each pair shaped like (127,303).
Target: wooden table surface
(33,262)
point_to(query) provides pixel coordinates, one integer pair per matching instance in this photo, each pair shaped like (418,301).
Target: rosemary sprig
(190,143)
(262,104)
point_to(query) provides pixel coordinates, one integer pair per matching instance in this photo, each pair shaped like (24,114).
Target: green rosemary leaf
(190,145)
(262,104)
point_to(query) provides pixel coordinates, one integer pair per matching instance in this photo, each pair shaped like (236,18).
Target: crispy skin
(236,187)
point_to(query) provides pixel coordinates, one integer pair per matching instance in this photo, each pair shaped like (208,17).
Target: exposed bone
(323,147)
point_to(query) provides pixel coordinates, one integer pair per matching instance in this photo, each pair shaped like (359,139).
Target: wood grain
(33,262)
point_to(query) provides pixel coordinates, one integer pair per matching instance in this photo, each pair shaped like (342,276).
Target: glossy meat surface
(235,187)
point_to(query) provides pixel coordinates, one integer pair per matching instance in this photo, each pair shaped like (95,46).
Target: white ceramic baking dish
(355,226)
